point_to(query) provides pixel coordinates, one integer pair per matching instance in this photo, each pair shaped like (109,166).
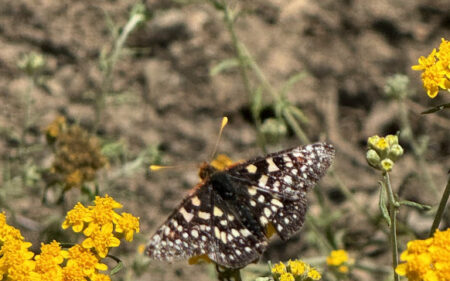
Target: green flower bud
(395,151)
(391,139)
(373,158)
(31,63)
(387,164)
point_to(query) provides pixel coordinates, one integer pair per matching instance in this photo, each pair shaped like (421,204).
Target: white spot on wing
(187,216)
(272,166)
(195,201)
(203,215)
(217,212)
(252,190)
(251,168)
(263,180)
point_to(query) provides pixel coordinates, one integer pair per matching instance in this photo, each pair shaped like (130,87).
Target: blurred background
(151,81)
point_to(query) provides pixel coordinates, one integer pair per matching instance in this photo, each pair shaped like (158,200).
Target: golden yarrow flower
(287,277)
(436,69)
(127,224)
(102,213)
(337,257)
(296,267)
(101,239)
(48,262)
(428,259)
(85,259)
(314,274)
(279,268)
(77,217)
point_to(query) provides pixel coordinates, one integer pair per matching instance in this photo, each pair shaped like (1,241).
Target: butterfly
(229,215)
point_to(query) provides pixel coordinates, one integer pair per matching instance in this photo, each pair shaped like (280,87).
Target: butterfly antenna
(224,123)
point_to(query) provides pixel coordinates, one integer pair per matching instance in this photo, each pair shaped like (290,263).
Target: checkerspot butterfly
(229,215)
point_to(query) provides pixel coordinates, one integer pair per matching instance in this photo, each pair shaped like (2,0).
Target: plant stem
(441,208)
(110,63)
(408,133)
(393,215)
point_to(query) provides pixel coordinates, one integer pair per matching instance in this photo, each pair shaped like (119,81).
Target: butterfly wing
(204,224)
(276,185)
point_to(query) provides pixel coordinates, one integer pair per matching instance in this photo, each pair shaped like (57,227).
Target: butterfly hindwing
(205,224)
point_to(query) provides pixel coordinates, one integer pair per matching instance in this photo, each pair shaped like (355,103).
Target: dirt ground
(164,96)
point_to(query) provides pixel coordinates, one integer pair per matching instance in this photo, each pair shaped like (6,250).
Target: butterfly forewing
(228,215)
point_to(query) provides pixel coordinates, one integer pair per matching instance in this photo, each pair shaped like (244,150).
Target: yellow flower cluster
(436,69)
(339,261)
(77,154)
(80,262)
(383,152)
(101,224)
(295,270)
(427,260)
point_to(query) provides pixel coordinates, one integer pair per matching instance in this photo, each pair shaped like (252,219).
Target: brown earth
(164,96)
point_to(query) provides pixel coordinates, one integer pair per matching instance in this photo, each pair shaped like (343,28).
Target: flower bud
(387,164)
(391,139)
(373,158)
(395,151)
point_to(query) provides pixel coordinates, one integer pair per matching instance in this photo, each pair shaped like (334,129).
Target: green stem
(393,230)
(409,135)
(243,64)
(110,64)
(441,208)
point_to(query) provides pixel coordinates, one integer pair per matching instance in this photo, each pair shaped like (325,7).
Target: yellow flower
(436,69)
(426,62)
(279,268)
(8,232)
(287,277)
(296,267)
(434,78)
(427,260)
(85,260)
(48,262)
(16,260)
(314,274)
(77,217)
(343,269)
(102,214)
(101,239)
(127,224)
(141,248)
(73,272)
(337,258)
(444,56)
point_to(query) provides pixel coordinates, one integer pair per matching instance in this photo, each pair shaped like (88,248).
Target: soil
(164,96)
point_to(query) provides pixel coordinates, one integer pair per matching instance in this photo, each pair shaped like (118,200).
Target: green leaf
(436,108)
(256,103)
(117,268)
(291,81)
(224,65)
(382,204)
(415,205)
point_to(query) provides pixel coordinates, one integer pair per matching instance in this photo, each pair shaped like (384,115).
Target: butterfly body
(229,214)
